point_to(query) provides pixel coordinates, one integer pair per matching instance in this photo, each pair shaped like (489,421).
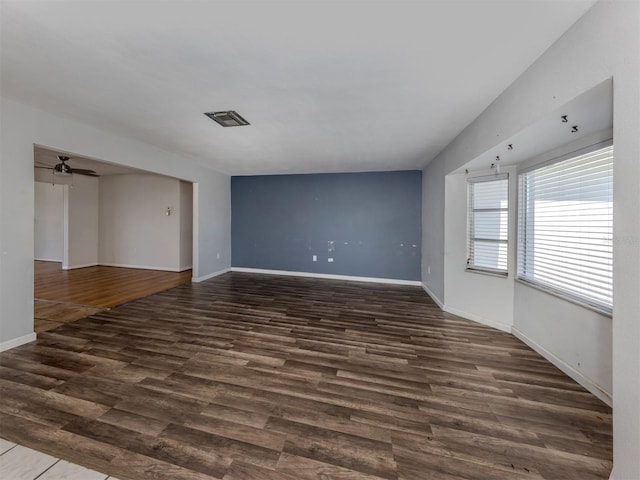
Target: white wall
(186,225)
(134,228)
(213,253)
(22,127)
(16,223)
(49,222)
(487,299)
(433,190)
(604,43)
(576,339)
(80,223)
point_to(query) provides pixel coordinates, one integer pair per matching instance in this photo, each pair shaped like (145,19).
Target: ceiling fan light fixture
(229,118)
(62,169)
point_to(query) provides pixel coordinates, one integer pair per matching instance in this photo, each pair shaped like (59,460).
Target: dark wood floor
(262,377)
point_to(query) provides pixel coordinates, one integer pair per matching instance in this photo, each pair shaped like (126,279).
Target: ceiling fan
(63,168)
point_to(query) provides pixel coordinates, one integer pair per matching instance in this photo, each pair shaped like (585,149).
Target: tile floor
(22,463)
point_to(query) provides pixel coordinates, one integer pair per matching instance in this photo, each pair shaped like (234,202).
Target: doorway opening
(105,239)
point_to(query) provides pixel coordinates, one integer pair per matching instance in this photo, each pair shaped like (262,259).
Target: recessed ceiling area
(591,113)
(327,86)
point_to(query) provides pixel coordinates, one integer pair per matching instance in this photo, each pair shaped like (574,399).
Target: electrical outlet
(314,258)
(429,270)
(218,255)
(330,260)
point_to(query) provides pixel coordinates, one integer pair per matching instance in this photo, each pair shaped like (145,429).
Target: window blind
(565,227)
(488,217)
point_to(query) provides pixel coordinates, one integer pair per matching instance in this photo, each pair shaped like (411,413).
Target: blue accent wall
(369,223)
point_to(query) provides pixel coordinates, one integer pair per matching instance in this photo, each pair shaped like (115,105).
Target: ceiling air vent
(227,119)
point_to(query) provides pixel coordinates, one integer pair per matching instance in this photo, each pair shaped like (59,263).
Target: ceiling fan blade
(46,168)
(82,171)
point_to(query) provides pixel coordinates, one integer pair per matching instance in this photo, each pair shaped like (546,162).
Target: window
(565,227)
(488,217)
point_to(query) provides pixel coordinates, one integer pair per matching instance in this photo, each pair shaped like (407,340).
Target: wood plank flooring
(264,377)
(49,314)
(101,286)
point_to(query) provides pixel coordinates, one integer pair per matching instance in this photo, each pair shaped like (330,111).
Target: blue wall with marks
(368,223)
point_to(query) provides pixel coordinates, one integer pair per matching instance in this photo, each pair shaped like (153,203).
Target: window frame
(575,298)
(471,181)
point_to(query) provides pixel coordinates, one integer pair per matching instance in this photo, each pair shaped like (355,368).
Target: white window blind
(488,230)
(565,227)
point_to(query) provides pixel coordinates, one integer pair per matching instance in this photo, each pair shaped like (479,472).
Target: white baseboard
(141,267)
(73,267)
(329,276)
(48,260)
(578,376)
(433,296)
(16,342)
(126,265)
(210,275)
(478,319)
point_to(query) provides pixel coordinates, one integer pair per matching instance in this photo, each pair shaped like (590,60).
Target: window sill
(491,273)
(600,310)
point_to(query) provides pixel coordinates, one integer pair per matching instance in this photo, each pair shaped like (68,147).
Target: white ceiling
(327,86)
